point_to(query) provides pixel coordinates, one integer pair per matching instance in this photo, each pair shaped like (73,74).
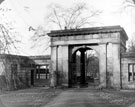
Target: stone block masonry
(108,41)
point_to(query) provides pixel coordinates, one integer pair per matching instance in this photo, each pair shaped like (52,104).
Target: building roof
(86,31)
(40,57)
(25,57)
(128,55)
(12,56)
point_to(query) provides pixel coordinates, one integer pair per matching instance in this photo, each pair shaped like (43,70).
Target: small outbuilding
(18,72)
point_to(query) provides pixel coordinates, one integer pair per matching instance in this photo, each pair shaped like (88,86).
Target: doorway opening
(84,68)
(32,77)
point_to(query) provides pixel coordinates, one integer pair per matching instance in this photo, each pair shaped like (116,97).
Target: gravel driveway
(89,98)
(77,97)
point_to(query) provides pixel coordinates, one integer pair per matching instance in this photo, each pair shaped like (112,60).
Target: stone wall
(15,72)
(110,42)
(126,59)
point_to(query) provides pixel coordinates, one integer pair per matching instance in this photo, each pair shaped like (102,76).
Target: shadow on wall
(3,83)
(12,81)
(60,77)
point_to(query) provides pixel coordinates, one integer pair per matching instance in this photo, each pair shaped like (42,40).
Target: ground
(77,97)
(33,97)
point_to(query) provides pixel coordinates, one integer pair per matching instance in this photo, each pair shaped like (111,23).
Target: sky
(26,13)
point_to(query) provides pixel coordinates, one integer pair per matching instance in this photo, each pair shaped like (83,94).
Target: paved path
(79,98)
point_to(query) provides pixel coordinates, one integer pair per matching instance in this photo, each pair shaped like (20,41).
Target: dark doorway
(32,77)
(84,68)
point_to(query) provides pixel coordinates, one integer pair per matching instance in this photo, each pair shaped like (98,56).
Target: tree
(131,44)
(74,17)
(7,43)
(128,7)
(134,1)
(40,40)
(7,32)
(128,3)
(1,1)
(61,18)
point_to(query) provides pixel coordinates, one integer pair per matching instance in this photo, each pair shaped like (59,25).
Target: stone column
(116,65)
(82,67)
(53,65)
(60,69)
(65,65)
(102,65)
(109,74)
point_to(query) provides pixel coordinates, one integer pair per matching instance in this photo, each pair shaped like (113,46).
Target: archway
(109,42)
(84,66)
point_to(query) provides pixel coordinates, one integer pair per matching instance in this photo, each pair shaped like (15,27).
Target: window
(42,72)
(131,72)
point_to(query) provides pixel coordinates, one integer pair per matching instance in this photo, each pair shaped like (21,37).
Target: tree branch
(55,13)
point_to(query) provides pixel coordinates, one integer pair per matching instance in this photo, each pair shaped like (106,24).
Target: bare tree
(131,47)
(40,40)
(76,16)
(61,18)
(129,3)
(1,1)
(131,44)
(7,43)
(7,32)
(128,7)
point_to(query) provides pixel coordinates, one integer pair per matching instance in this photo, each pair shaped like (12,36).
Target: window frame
(132,72)
(42,75)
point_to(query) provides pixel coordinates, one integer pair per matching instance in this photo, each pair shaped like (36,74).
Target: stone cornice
(86,31)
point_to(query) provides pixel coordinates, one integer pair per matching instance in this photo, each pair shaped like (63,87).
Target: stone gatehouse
(79,57)
(69,49)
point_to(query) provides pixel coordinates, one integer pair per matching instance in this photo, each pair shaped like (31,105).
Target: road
(80,98)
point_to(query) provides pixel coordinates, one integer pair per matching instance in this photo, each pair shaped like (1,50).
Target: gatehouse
(71,54)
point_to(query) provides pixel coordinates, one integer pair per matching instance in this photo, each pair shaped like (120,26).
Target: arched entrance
(108,42)
(84,66)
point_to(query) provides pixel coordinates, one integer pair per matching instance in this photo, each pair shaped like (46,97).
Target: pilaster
(102,65)
(53,66)
(65,65)
(116,65)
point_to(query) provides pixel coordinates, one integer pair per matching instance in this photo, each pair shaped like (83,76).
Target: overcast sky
(27,13)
